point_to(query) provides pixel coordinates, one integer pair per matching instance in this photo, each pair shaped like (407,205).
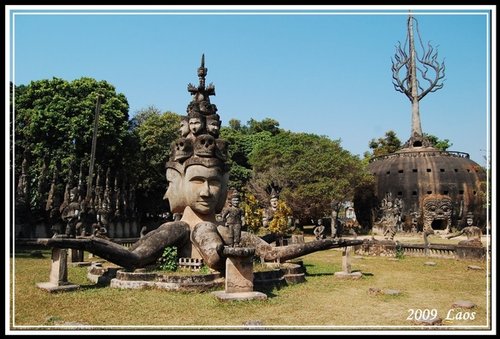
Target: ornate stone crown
(201,144)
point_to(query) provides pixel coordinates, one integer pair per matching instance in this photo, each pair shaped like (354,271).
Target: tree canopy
(54,122)
(311,170)
(154,132)
(390,143)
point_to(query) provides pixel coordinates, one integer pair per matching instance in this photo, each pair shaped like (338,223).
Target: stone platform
(138,279)
(241,296)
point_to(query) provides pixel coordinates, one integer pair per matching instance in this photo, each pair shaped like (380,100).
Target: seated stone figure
(319,230)
(472,232)
(197,178)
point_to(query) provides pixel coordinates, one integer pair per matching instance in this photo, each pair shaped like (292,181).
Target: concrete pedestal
(58,278)
(239,275)
(346,272)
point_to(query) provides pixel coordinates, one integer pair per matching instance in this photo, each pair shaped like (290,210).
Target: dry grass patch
(323,300)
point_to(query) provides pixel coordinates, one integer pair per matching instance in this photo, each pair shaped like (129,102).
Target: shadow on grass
(32,254)
(93,286)
(317,274)
(269,290)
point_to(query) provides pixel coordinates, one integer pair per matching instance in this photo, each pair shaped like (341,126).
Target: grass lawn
(322,302)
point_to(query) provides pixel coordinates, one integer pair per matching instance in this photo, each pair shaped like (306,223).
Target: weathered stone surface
(294,278)
(239,296)
(468,251)
(429,322)
(471,242)
(239,272)
(172,282)
(374,291)
(52,288)
(101,275)
(346,275)
(463,304)
(377,247)
(238,251)
(392,292)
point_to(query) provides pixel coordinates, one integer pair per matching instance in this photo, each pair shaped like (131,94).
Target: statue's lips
(206,203)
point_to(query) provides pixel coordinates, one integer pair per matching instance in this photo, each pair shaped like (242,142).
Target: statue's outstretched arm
(144,252)
(271,253)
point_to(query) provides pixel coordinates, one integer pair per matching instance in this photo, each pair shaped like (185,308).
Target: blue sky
(325,71)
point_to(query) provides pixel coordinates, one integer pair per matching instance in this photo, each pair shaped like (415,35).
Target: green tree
(312,171)
(267,125)
(441,145)
(390,143)
(242,139)
(154,131)
(54,122)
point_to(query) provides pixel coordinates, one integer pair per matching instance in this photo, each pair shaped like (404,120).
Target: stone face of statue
(235,202)
(184,128)
(72,195)
(203,188)
(274,203)
(213,127)
(195,125)
(174,192)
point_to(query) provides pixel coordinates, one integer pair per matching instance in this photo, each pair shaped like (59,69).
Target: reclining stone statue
(197,176)
(472,232)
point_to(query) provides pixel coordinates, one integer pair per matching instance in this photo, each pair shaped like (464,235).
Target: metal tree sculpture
(411,83)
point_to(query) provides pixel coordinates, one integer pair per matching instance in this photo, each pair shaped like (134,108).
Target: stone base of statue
(347,275)
(144,278)
(58,279)
(77,258)
(346,272)
(470,249)
(239,275)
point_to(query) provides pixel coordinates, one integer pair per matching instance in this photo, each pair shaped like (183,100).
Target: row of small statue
(73,216)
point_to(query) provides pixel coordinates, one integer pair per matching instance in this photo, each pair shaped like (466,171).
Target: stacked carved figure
(197,175)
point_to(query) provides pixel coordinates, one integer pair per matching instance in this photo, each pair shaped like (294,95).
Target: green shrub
(400,253)
(204,269)
(169,260)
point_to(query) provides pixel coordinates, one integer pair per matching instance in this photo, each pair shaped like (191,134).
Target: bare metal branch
(430,63)
(401,59)
(430,70)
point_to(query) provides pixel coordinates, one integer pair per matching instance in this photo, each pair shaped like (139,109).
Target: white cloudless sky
(323,70)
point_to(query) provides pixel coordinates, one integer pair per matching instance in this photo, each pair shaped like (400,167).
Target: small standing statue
(233,216)
(99,229)
(319,231)
(70,213)
(271,210)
